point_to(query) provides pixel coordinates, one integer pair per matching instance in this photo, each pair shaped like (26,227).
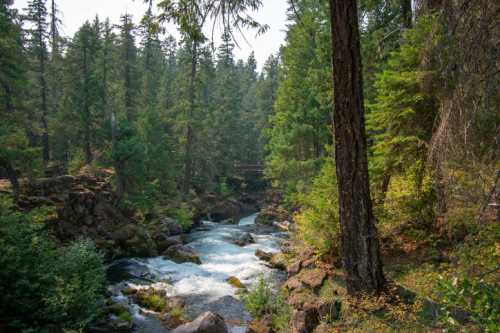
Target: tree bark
(360,247)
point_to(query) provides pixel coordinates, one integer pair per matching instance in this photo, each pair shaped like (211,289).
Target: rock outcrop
(207,322)
(87,206)
(306,279)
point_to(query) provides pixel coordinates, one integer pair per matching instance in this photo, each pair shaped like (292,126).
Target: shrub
(261,301)
(40,283)
(151,300)
(479,299)
(318,220)
(184,214)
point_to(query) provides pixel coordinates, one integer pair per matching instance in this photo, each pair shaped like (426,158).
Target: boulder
(264,256)
(226,210)
(125,269)
(207,322)
(163,242)
(304,321)
(271,214)
(293,283)
(182,253)
(278,261)
(231,309)
(172,225)
(294,268)
(235,282)
(299,297)
(244,239)
(312,278)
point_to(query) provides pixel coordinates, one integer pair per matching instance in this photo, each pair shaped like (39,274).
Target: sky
(273,13)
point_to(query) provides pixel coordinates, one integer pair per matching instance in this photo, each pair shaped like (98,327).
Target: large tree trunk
(360,247)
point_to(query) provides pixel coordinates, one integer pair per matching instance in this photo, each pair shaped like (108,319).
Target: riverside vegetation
(376,128)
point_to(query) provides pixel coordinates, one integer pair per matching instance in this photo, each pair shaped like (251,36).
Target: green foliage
(184,214)
(299,129)
(318,220)
(262,300)
(479,299)
(151,300)
(224,188)
(405,109)
(43,284)
(116,309)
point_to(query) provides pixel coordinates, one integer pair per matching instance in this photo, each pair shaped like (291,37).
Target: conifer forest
(153,180)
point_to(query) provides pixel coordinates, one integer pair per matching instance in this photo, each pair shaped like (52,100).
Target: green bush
(318,220)
(40,283)
(479,299)
(260,301)
(184,214)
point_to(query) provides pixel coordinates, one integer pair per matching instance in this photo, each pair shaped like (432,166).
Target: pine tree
(300,127)
(129,64)
(14,150)
(37,15)
(360,248)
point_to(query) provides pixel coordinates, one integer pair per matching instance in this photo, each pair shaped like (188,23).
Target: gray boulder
(164,242)
(244,239)
(207,322)
(182,253)
(172,225)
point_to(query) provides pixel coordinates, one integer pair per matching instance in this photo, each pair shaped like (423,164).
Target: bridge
(249,168)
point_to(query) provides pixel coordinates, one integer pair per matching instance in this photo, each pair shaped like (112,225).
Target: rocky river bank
(163,275)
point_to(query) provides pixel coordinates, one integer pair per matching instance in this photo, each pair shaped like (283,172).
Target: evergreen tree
(128,53)
(15,154)
(82,93)
(38,34)
(301,124)
(360,248)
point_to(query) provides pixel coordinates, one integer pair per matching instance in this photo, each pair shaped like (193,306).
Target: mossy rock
(235,282)
(151,300)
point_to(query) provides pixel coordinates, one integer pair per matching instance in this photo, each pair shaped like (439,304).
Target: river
(204,287)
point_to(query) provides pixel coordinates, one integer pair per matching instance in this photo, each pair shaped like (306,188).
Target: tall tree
(360,246)
(37,15)
(129,65)
(82,92)
(13,141)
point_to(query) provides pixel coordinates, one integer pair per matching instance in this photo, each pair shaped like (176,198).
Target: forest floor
(419,266)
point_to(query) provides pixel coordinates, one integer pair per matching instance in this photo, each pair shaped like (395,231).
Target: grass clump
(261,302)
(150,300)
